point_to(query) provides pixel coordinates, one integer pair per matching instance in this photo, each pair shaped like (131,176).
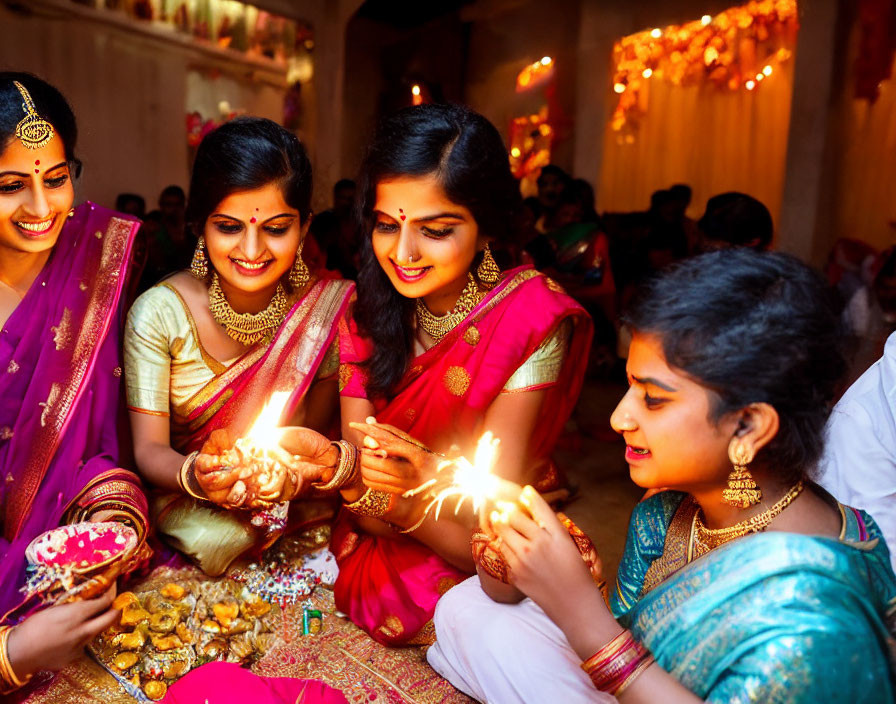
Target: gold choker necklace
(437,326)
(246,328)
(705,539)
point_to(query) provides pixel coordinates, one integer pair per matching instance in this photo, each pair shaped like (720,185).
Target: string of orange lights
(733,50)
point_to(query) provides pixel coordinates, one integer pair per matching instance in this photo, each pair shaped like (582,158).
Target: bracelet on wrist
(346,472)
(616,665)
(186,478)
(374,504)
(9,681)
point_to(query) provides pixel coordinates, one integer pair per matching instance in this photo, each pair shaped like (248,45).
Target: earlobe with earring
(742,490)
(71,213)
(199,265)
(488,271)
(299,275)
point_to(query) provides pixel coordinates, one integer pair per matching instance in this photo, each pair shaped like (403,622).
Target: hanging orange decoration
(733,50)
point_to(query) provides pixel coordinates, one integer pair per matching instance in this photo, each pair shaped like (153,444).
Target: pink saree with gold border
(390,585)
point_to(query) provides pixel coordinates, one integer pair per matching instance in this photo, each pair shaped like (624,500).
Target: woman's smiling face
(36,194)
(423,241)
(252,238)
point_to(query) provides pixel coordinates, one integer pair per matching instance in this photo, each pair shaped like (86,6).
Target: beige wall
(129,93)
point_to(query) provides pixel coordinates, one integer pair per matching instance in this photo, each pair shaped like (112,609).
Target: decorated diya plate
(80,560)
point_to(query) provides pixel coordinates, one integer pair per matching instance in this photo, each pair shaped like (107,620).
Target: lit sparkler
(465,480)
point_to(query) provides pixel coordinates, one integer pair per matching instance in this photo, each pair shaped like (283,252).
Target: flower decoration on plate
(81,560)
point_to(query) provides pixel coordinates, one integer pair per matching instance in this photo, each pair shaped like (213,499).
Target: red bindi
(37,171)
(37,162)
(252,220)
(402,216)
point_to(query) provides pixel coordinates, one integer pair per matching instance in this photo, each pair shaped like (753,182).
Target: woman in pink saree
(62,273)
(207,348)
(442,346)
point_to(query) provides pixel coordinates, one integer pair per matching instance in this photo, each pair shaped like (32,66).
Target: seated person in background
(743,582)
(735,220)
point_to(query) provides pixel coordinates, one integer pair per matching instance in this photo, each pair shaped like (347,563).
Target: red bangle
(615,666)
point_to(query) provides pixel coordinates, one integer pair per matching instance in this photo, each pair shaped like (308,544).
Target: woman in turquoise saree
(742,581)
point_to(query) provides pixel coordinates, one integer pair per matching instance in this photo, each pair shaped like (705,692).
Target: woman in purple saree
(62,273)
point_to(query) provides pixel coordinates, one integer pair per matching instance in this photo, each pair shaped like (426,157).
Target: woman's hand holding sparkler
(393,461)
(543,559)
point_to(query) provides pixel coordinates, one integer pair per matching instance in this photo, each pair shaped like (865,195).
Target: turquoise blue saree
(771,617)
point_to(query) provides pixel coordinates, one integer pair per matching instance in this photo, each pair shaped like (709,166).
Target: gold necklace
(705,539)
(246,328)
(437,326)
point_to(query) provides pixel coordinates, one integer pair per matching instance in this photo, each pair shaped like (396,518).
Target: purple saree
(59,393)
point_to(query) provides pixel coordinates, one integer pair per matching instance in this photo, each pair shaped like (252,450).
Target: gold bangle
(374,504)
(186,478)
(346,467)
(9,681)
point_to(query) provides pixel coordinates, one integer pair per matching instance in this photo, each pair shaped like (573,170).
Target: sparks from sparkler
(468,481)
(265,431)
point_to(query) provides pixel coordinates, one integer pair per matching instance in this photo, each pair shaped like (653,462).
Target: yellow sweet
(155,690)
(175,670)
(255,608)
(129,641)
(211,626)
(214,648)
(164,621)
(126,600)
(225,612)
(131,616)
(123,661)
(166,642)
(173,591)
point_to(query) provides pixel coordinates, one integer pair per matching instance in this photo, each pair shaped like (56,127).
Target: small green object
(312,621)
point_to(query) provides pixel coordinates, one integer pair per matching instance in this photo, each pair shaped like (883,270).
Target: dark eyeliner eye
(228,228)
(279,230)
(652,402)
(56,181)
(432,232)
(387,228)
(11,187)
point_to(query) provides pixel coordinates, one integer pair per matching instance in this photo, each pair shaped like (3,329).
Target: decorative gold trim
(217,367)
(161,414)
(62,333)
(98,314)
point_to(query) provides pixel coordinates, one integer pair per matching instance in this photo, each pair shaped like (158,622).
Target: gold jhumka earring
(199,265)
(742,490)
(299,276)
(33,131)
(488,271)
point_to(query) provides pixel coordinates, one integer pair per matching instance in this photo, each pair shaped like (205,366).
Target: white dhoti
(506,653)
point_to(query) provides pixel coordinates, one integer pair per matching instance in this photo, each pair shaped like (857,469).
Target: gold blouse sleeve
(543,366)
(147,359)
(329,365)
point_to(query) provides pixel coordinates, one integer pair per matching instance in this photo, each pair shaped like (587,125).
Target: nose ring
(412,258)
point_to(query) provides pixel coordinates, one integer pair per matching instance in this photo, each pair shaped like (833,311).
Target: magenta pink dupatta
(60,377)
(390,585)
(228,683)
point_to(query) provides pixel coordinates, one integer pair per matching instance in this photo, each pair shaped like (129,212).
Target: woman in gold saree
(206,348)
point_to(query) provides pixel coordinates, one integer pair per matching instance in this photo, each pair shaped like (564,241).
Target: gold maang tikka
(33,131)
